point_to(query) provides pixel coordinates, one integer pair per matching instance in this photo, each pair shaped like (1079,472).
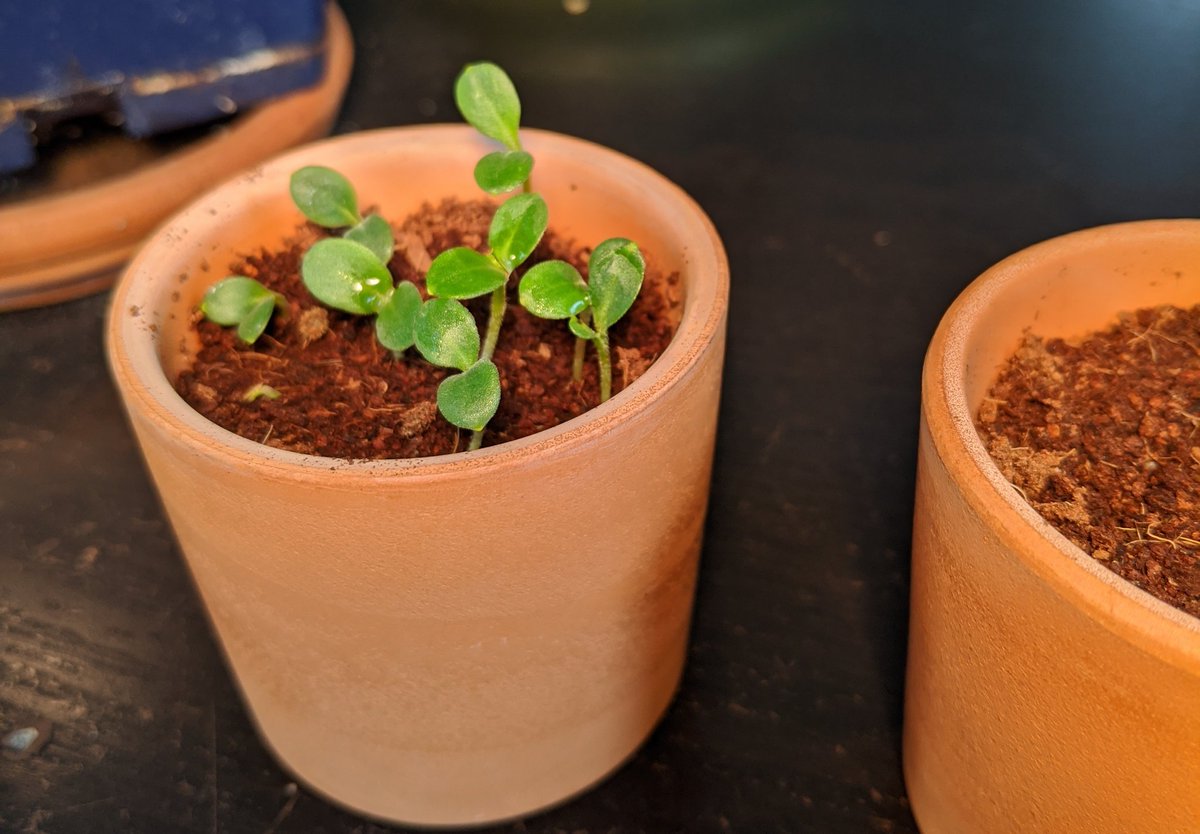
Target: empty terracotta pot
(1044,693)
(451,640)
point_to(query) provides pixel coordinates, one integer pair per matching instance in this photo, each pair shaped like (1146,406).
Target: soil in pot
(343,395)
(1102,437)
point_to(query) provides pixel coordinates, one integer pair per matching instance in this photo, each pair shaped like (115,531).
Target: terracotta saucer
(72,239)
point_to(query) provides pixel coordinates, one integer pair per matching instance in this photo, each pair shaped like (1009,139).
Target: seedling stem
(580,350)
(605,363)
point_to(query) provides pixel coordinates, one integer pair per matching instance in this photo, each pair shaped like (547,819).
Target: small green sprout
(487,99)
(348,276)
(446,335)
(328,199)
(350,273)
(261,389)
(515,232)
(470,399)
(556,290)
(325,197)
(238,300)
(462,273)
(374,233)
(397,318)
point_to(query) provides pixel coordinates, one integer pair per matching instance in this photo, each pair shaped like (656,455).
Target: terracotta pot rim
(136,366)
(1101,594)
(98,225)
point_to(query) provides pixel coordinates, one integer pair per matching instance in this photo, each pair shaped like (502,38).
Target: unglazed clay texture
(446,640)
(1044,694)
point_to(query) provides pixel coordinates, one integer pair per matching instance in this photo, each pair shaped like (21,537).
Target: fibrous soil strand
(1102,437)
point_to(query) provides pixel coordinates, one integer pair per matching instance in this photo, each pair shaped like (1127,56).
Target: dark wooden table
(863,161)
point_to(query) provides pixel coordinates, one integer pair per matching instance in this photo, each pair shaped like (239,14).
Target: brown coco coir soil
(1103,439)
(343,395)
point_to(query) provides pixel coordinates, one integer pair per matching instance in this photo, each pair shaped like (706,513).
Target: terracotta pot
(450,640)
(1044,694)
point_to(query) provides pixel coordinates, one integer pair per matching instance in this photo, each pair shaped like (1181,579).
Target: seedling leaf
(469,400)
(615,274)
(374,233)
(503,171)
(242,301)
(553,290)
(462,272)
(259,390)
(256,320)
(516,229)
(488,101)
(324,196)
(229,300)
(580,329)
(446,334)
(346,275)
(398,318)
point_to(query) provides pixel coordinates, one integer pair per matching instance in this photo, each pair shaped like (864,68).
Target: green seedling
(556,290)
(328,199)
(259,390)
(350,272)
(346,275)
(463,273)
(238,300)
(488,101)
(446,335)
